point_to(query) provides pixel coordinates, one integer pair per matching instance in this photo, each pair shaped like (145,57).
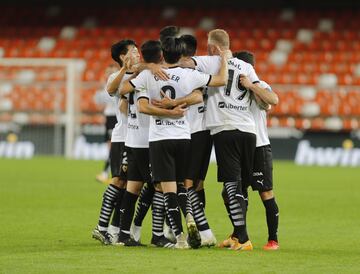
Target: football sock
(198,210)
(201,195)
(127,214)
(183,199)
(107,165)
(158,214)
(272,218)
(226,203)
(115,221)
(145,200)
(237,207)
(107,206)
(173,212)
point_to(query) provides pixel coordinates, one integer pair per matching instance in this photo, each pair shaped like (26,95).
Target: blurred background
(53,58)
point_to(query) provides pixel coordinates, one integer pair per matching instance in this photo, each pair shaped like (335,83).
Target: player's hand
(159,71)
(165,102)
(179,111)
(225,54)
(245,81)
(127,63)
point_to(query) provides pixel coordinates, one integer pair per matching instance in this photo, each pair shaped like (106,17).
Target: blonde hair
(219,37)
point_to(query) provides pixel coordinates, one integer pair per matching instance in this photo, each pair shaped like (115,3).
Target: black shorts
(138,165)
(168,160)
(118,160)
(199,157)
(109,126)
(234,151)
(262,171)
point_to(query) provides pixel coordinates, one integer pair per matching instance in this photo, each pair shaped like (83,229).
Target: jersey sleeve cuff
(194,61)
(131,83)
(142,97)
(208,82)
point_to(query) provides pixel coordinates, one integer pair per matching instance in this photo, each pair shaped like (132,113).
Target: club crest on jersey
(201,109)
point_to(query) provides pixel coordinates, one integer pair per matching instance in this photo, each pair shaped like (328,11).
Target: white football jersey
(119,131)
(262,137)
(195,116)
(181,83)
(228,107)
(137,125)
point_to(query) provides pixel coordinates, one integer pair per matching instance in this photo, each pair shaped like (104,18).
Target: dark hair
(246,56)
(119,48)
(168,31)
(173,49)
(190,45)
(151,51)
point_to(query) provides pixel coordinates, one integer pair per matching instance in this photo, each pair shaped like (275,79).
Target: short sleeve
(199,79)
(252,74)
(265,85)
(206,63)
(140,85)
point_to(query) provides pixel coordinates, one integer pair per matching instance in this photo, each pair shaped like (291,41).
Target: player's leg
(263,182)
(110,196)
(103,177)
(229,150)
(158,217)
(127,210)
(147,192)
(114,228)
(162,159)
(183,150)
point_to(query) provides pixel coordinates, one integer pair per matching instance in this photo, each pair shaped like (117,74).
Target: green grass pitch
(49,207)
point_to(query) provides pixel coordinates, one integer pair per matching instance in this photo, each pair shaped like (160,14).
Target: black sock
(237,211)
(173,212)
(107,165)
(201,195)
(115,221)
(145,200)
(199,214)
(109,199)
(127,214)
(183,199)
(158,214)
(272,218)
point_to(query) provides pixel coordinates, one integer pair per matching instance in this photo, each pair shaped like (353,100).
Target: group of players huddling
(173,106)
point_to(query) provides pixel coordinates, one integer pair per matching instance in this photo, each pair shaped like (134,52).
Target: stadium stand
(310,57)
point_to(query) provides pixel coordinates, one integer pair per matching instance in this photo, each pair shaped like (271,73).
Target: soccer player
(169,138)
(137,142)
(168,31)
(120,52)
(232,126)
(262,173)
(200,151)
(102,98)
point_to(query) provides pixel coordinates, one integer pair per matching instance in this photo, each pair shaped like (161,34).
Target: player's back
(181,82)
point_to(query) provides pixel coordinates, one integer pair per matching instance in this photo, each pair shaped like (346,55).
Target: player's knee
(199,185)
(115,181)
(134,187)
(188,183)
(266,195)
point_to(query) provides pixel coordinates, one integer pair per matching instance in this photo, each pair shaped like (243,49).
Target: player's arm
(146,108)
(263,94)
(221,78)
(155,69)
(113,85)
(193,98)
(123,106)
(126,87)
